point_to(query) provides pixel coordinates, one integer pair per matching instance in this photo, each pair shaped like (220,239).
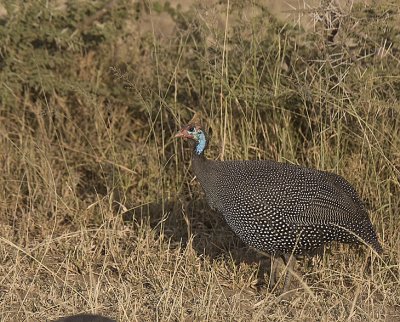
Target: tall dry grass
(100,212)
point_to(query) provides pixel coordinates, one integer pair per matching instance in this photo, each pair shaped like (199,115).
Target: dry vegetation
(99,212)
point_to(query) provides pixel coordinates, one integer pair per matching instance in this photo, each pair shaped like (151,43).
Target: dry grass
(99,209)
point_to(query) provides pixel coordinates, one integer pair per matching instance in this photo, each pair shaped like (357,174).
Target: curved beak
(180,134)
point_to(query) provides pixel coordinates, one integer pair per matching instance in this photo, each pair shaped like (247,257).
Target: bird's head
(193,132)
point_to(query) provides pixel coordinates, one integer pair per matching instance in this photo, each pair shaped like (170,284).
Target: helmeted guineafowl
(85,318)
(279,208)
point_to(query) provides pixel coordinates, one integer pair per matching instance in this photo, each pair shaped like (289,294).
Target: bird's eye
(191,129)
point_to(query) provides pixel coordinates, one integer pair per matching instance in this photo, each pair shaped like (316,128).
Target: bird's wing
(330,199)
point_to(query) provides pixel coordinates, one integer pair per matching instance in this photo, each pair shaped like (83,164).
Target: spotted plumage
(281,208)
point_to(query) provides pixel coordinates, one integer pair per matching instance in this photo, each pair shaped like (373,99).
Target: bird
(281,209)
(85,318)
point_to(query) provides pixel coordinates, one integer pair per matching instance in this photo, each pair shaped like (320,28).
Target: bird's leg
(263,268)
(272,272)
(290,262)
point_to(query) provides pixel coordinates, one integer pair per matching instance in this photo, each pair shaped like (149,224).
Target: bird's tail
(371,238)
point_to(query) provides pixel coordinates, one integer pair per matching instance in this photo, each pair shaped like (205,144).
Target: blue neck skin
(201,145)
